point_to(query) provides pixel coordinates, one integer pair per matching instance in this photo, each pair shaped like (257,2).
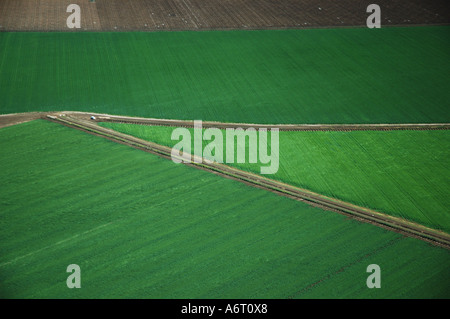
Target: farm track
(80,121)
(281,127)
(17,118)
(174,15)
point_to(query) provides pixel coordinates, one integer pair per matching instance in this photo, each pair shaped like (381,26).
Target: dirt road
(282,127)
(17,118)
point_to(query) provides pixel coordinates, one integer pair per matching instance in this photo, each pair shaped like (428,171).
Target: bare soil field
(129,15)
(45,15)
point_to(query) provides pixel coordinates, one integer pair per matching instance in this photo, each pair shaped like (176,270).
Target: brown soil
(17,118)
(144,15)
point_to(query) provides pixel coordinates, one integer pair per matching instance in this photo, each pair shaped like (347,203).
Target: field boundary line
(397,224)
(17,118)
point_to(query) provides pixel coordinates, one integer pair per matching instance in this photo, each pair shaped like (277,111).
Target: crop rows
(136,224)
(283,76)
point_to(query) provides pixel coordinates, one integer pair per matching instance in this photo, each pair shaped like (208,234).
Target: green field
(143,227)
(402,173)
(359,75)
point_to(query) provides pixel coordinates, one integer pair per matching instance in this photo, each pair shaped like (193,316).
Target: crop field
(69,197)
(402,173)
(393,75)
(346,195)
